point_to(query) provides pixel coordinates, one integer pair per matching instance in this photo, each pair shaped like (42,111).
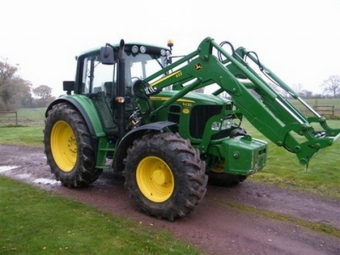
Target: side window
(96,76)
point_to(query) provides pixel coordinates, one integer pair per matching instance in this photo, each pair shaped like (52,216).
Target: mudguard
(86,108)
(134,134)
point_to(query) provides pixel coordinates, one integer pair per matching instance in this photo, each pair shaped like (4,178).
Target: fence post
(16,118)
(9,116)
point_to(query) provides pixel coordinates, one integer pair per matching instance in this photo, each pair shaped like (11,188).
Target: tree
(44,93)
(332,85)
(305,94)
(12,86)
(27,101)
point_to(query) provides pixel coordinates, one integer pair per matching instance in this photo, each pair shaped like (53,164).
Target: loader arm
(262,106)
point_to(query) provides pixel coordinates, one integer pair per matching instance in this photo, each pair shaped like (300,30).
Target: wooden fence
(8,118)
(325,109)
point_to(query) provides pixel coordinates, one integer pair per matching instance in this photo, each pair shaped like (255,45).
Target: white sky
(299,40)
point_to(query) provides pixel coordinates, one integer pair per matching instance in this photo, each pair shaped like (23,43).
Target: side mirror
(106,55)
(68,86)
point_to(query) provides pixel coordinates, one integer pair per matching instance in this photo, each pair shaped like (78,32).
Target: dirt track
(214,227)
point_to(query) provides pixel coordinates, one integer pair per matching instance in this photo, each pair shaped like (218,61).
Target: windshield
(143,65)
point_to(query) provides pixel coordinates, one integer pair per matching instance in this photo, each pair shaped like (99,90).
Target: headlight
(134,49)
(216,126)
(142,49)
(225,124)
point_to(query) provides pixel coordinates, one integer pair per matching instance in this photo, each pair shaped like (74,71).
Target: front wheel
(164,175)
(68,147)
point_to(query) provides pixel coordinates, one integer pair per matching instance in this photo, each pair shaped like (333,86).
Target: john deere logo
(198,66)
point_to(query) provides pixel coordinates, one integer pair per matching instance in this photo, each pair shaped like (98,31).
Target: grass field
(26,117)
(29,130)
(22,135)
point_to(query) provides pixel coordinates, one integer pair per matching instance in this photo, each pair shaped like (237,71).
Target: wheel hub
(158,177)
(155,179)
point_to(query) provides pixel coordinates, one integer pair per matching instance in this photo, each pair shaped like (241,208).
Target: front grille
(199,116)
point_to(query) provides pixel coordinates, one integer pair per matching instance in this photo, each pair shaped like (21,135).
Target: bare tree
(12,86)
(332,85)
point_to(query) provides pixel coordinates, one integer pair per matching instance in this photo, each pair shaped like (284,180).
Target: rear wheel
(68,147)
(164,175)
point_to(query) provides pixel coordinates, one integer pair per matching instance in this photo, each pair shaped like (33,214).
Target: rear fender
(87,109)
(131,136)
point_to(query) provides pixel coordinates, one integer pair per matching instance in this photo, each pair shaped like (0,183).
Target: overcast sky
(299,40)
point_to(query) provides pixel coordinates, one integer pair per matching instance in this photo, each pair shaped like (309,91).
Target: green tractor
(167,125)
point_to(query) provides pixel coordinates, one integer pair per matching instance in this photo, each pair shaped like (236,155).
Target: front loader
(132,109)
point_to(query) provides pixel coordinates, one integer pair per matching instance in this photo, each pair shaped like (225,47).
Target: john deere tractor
(166,123)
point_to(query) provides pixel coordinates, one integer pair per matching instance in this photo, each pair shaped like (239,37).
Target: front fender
(131,136)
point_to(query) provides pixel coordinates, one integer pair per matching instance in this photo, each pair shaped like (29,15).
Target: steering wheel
(134,79)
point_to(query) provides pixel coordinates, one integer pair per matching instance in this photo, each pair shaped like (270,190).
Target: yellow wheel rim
(155,179)
(63,146)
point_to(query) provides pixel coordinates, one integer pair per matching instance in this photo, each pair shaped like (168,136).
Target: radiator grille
(199,116)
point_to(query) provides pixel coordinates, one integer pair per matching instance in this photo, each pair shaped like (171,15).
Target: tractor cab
(108,82)
(96,75)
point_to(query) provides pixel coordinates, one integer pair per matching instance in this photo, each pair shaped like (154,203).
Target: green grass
(22,135)
(33,221)
(31,115)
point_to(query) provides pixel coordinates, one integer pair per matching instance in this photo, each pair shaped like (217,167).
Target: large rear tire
(68,147)
(164,175)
